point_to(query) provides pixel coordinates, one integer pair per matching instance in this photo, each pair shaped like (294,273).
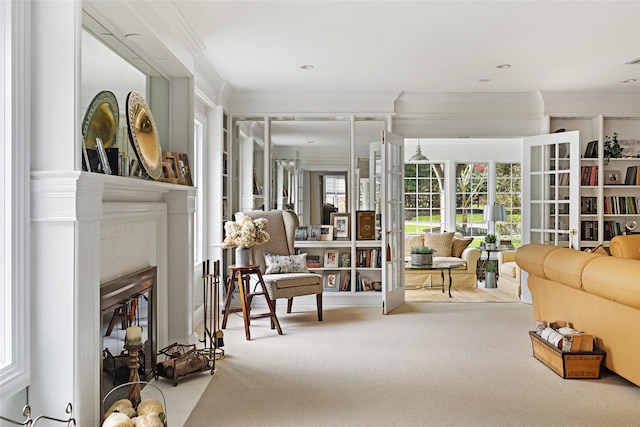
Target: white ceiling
(396,47)
(419,46)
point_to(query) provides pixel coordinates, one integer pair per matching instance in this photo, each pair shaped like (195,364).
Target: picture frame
(365,225)
(331,257)
(345,259)
(176,168)
(341,223)
(326,232)
(613,177)
(301,233)
(331,281)
(313,232)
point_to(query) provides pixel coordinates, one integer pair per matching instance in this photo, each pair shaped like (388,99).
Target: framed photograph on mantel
(341,225)
(365,225)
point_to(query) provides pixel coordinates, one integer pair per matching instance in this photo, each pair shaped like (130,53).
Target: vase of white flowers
(242,235)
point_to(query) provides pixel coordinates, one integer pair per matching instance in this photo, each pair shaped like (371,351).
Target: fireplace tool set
(182,360)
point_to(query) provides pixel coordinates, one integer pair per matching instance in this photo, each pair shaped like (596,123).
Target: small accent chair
(281,227)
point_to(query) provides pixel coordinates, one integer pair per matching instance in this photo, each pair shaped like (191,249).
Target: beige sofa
(461,277)
(599,294)
(509,274)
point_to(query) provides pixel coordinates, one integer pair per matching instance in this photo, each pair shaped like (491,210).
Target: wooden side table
(242,273)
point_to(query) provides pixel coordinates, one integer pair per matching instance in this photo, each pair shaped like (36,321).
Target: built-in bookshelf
(348,268)
(609,186)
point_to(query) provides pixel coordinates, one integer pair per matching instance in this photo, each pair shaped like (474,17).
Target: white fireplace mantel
(90,229)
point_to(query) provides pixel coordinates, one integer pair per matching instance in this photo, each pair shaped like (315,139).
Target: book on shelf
(589,175)
(346,282)
(313,261)
(591,151)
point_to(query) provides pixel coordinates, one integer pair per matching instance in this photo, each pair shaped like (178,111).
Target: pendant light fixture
(418,156)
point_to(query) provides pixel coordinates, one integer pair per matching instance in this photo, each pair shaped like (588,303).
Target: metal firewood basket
(145,383)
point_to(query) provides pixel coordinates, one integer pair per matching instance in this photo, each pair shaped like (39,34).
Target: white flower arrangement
(245,233)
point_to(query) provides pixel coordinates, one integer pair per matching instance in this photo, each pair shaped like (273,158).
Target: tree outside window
(423,197)
(471,197)
(509,194)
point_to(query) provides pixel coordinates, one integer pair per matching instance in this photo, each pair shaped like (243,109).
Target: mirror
(109,65)
(303,152)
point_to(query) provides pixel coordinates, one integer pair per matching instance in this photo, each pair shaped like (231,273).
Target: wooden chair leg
(273,326)
(319,304)
(289,304)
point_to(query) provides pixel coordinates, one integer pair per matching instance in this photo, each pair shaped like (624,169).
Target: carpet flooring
(457,295)
(453,364)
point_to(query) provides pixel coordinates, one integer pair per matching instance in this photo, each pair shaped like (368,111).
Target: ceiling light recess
(307,67)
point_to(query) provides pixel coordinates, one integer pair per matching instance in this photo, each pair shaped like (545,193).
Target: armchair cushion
(285,263)
(441,242)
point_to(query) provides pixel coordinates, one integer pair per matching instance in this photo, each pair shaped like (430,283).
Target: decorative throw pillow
(598,250)
(460,244)
(441,242)
(285,263)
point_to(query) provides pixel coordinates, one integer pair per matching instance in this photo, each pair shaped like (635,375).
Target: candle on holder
(133,335)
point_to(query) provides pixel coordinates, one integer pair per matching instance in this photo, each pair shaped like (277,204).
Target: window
(14,194)
(509,194)
(423,197)
(334,191)
(471,197)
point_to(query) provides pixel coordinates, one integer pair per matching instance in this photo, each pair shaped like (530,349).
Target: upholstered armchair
(509,274)
(281,227)
(625,246)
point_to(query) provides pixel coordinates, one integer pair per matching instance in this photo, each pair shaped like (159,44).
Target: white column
(180,210)
(267,164)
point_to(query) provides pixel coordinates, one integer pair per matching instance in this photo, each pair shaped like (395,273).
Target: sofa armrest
(625,246)
(471,257)
(506,256)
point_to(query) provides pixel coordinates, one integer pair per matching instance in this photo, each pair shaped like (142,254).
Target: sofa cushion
(441,242)
(597,279)
(285,263)
(460,244)
(412,240)
(508,269)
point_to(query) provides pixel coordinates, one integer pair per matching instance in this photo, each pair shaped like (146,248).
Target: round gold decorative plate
(101,120)
(143,135)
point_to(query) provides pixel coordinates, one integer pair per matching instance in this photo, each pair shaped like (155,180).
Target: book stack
(591,151)
(313,261)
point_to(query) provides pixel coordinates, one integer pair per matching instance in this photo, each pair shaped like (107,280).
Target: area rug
(457,295)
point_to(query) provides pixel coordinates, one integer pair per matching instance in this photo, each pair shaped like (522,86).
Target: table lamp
(493,213)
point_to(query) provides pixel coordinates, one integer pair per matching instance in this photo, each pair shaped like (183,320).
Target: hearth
(126,301)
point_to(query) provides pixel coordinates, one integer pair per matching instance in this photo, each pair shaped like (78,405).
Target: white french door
(551,192)
(392,190)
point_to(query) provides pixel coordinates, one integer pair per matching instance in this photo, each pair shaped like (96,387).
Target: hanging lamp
(418,156)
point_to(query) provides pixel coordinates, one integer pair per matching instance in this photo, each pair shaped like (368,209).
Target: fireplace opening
(124,302)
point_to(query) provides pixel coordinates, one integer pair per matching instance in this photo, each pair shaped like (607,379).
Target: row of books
(360,284)
(589,175)
(369,258)
(621,205)
(589,205)
(589,230)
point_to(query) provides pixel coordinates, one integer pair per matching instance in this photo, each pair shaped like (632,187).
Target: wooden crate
(572,365)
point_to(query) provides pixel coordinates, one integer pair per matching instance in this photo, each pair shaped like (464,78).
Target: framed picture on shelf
(326,232)
(613,177)
(301,233)
(332,281)
(345,259)
(313,232)
(341,225)
(331,258)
